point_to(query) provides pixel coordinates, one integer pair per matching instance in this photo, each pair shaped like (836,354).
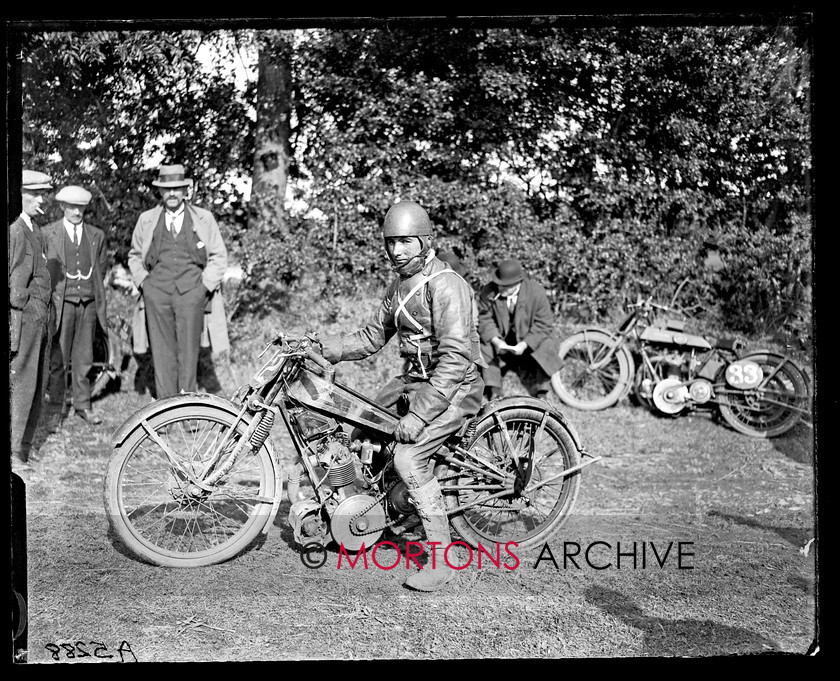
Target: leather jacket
(436,333)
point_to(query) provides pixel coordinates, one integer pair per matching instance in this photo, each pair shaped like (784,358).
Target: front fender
(165,404)
(158,406)
(614,337)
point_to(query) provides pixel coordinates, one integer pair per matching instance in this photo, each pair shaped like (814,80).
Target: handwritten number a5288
(78,650)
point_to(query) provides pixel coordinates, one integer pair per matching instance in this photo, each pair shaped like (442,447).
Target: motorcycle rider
(429,308)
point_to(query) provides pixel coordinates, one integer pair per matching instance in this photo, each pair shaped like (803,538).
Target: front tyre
(537,503)
(771,409)
(592,377)
(161,516)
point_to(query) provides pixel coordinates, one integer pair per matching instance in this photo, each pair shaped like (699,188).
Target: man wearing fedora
(29,303)
(77,261)
(514,324)
(177,261)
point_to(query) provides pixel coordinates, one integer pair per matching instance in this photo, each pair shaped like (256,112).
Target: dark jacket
(56,263)
(28,274)
(532,322)
(441,311)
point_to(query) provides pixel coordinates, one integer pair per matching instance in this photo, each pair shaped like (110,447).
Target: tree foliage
(601,157)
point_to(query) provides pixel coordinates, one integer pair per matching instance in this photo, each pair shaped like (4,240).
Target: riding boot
(428,500)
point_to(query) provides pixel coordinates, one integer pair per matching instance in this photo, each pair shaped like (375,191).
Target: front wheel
(771,409)
(155,505)
(592,375)
(502,500)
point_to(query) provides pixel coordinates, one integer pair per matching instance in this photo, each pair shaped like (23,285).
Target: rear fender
(518,401)
(781,358)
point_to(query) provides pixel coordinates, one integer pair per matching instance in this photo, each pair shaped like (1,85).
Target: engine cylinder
(342,474)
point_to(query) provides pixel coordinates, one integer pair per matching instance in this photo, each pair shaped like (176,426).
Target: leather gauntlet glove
(409,428)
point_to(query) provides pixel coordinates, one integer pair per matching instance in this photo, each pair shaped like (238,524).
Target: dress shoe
(88,416)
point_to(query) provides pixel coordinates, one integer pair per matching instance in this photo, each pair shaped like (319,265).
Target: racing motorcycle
(758,393)
(194,479)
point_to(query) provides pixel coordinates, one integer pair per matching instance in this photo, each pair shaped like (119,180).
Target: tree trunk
(272,147)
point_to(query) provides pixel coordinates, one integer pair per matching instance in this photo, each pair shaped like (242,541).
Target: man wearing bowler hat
(177,260)
(514,324)
(29,302)
(76,259)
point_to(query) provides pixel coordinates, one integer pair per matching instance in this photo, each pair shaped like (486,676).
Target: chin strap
(417,263)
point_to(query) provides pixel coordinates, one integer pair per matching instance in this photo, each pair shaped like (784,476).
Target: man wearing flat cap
(177,261)
(514,324)
(77,262)
(29,302)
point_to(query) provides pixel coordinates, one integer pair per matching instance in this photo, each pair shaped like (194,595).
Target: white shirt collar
(27,220)
(70,228)
(175,217)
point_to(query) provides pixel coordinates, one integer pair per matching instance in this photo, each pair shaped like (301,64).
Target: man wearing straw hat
(76,258)
(177,261)
(29,302)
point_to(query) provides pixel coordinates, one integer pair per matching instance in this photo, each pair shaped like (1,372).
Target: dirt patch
(697,538)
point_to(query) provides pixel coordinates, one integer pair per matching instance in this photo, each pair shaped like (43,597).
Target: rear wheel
(771,409)
(159,512)
(525,503)
(592,377)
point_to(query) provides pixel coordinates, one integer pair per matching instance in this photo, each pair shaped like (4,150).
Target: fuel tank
(313,391)
(653,334)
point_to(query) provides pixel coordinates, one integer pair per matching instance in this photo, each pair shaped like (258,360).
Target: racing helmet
(406,218)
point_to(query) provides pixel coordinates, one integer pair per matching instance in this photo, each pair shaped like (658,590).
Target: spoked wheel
(771,409)
(502,501)
(591,378)
(155,499)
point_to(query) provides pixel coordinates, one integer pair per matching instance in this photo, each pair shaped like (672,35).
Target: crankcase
(357,521)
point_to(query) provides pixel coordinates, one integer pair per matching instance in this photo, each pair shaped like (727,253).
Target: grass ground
(743,508)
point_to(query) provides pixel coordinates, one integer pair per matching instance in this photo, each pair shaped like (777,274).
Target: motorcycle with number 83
(759,393)
(194,479)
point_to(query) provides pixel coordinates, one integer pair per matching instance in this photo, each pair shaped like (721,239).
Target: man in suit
(29,302)
(76,259)
(177,261)
(514,323)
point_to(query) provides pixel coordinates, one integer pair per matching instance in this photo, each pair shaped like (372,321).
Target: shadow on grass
(797,536)
(681,638)
(797,444)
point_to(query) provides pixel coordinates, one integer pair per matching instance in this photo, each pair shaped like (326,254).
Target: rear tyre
(161,516)
(524,515)
(771,409)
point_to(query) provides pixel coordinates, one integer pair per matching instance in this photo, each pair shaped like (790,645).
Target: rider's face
(401,249)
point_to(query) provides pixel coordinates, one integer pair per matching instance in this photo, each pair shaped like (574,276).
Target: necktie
(76,237)
(511,303)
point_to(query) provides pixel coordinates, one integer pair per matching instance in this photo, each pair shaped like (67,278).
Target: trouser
(27,376)
(175,322)
(533,376)
(72,350)
(413,461)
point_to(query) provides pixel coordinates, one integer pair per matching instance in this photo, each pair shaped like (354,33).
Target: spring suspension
(470,431)
(262,430)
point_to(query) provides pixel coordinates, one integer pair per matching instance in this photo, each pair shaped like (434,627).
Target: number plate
(744,374)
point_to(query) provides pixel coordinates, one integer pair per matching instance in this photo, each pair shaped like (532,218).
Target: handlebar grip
(329,369)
